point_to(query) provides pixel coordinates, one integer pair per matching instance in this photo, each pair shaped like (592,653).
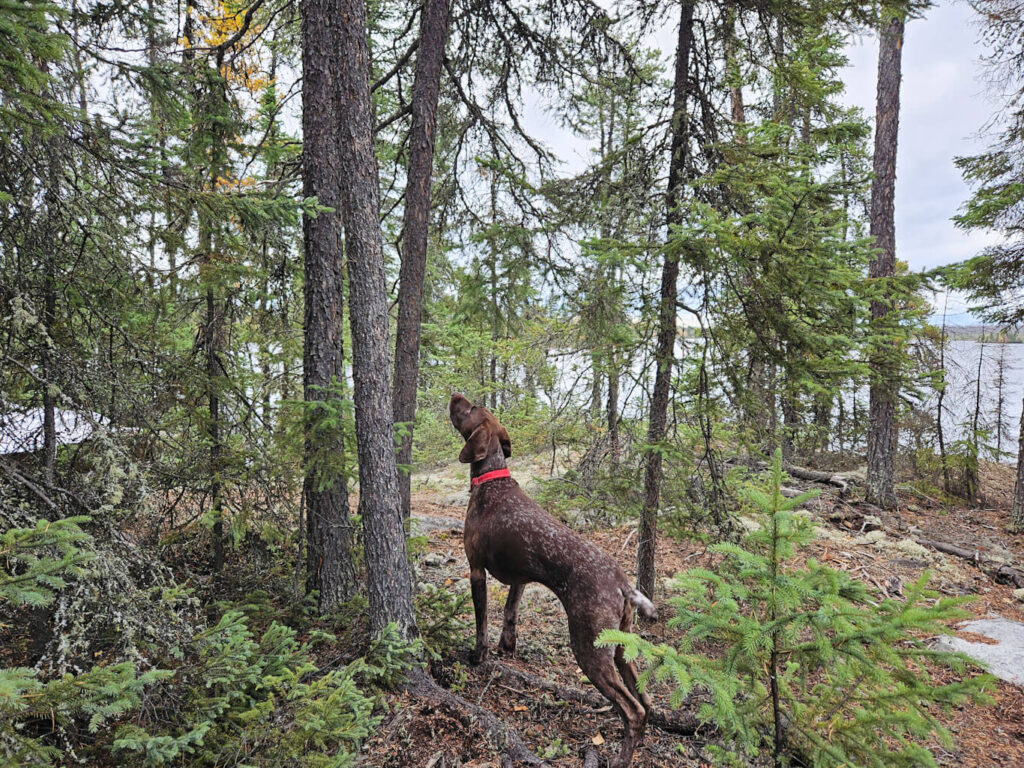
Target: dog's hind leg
(601,669)
(626,668)
(507,644)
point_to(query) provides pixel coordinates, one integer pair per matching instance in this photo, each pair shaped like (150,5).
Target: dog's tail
(637,598)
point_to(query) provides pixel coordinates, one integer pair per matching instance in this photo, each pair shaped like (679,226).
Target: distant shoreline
(986,334)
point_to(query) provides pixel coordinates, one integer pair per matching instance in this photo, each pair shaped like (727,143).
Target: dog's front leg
(478,587)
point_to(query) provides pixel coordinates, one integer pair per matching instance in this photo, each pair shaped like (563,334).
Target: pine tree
(882,428)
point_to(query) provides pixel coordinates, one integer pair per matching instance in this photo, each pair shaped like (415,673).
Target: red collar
(488,476)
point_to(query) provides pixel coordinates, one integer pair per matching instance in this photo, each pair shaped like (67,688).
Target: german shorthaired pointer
(508,534)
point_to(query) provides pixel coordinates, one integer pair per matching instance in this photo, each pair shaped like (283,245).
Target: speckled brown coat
(509,535)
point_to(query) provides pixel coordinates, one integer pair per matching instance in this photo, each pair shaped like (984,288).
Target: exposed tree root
(500,735)
(683,723)
(1001,573)
(590,758)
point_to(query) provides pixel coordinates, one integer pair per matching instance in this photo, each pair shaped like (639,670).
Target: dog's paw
(507,646)
(478,656)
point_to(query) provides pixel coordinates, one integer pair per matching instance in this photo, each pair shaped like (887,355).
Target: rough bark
(882,396)
(425,87)
(329,566)
(1017,509)
(648,535)
(389,585)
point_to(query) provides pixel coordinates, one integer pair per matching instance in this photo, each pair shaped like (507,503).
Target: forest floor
(418,733)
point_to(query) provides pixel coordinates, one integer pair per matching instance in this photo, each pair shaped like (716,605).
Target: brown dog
(508,534)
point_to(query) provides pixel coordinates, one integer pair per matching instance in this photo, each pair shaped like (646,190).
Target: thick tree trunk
(329,566)
(389,584)
(425,87)
(882,427)
(1017,510)
(648,537)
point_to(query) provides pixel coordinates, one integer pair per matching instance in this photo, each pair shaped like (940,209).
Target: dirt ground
(416,733)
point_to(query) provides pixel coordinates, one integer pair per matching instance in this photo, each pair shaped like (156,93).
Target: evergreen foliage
(152,290)
(800,660)
(260,701)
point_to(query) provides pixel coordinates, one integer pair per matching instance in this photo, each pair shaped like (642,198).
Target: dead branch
(840,480)
(815,476)
(1001,573)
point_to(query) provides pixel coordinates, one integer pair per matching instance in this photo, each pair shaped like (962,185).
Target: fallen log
(1001,573)
(500,735)
(683,723)
(814,476)
(840,480)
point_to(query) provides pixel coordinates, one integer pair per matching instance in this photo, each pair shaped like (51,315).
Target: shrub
(254,702)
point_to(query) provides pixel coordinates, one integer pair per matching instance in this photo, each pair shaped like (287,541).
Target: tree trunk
(49,372)
(648,537)
(1017,510)
(882,427)
(425,87)
(329,566)
(946,483)
(613,410)
(389,584)
(213,334)
(734,76)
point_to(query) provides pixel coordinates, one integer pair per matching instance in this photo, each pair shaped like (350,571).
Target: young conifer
(815,670)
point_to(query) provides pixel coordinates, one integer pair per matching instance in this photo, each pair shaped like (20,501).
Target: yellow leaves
(598,740)
(225,22)
(520,708)
(230,182)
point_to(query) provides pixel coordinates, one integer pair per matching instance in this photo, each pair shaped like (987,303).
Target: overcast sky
(945,105)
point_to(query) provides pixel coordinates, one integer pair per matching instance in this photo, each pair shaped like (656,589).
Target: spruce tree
(813,669)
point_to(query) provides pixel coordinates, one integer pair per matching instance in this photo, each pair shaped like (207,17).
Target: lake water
(962,359)
(958,405)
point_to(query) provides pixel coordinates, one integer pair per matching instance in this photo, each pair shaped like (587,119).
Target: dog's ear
(476,445)
(505,440)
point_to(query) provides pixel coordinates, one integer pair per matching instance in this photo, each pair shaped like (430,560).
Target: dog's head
(482,431)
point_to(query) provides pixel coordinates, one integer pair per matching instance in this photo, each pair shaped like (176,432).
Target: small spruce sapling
(798,660)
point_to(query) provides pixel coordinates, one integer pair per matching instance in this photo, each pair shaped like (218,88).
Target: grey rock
(460,499)
(428,524)
(539,593)
(433,559)
(1005,660)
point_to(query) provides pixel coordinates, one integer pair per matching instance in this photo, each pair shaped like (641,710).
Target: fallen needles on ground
(501,736)
(683,723)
